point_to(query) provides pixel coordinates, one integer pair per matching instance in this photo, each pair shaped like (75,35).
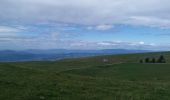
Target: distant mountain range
(57,54)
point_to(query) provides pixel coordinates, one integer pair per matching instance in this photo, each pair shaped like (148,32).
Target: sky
(85,24)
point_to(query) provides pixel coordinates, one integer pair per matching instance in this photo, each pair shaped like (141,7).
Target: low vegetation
(161,59)
(119,77)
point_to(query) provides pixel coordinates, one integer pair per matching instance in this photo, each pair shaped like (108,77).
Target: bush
(153,60)
(147,60)
(141,61)
(161,59)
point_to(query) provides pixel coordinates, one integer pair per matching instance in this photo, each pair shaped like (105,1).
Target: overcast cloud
(88,12)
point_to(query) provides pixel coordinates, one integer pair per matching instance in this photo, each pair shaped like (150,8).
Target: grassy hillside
(121,78)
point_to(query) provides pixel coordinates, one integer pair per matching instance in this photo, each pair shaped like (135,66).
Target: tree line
(160,59)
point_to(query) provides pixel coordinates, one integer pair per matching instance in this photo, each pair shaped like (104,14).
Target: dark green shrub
(161,59)
(141,61)
(147,60)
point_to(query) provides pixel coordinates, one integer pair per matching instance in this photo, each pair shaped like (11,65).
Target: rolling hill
(121,77)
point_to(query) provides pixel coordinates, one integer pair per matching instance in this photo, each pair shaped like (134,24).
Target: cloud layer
(54,23)
(88,12)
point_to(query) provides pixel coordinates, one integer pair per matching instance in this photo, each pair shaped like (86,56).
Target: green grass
(121,78)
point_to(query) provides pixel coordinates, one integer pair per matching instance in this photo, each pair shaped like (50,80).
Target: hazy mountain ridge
(56,54)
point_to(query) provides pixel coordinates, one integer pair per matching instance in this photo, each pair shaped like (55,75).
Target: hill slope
(121,78)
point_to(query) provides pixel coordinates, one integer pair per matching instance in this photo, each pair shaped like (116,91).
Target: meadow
(122,77)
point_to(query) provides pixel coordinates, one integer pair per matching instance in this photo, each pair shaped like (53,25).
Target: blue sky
(84,24)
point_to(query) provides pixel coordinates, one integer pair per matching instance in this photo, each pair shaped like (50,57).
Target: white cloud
(112,45)
(6,29)
(88,12)
(149,21)
(141,43)
(53,41)
(103,27)
(11,33)
(104,43)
